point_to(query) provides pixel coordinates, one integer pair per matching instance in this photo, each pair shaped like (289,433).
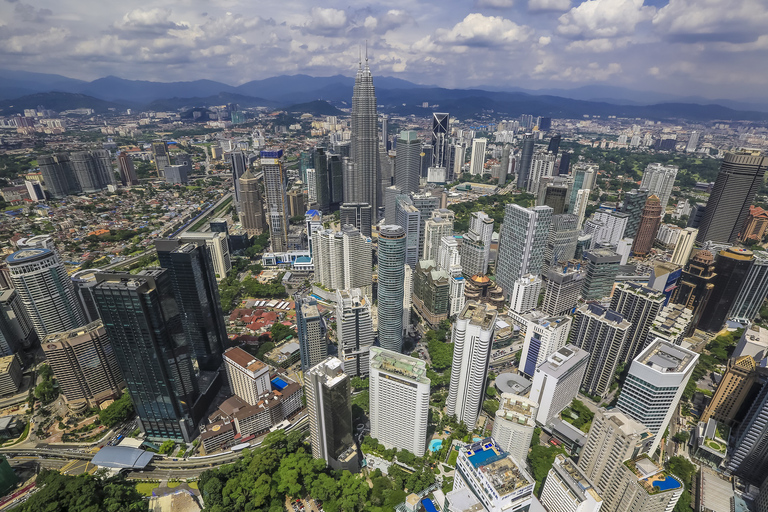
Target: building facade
(556,382)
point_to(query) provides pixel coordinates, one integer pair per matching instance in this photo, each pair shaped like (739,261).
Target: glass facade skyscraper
(522,243)
(391,258)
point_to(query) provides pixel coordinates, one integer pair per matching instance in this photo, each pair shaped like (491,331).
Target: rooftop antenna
(366,51)
(360,57)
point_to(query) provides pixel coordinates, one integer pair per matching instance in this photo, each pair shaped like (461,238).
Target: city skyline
(548,43)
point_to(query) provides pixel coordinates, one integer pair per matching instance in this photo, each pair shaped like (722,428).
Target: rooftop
(573,477)
(241,358)
(651,476)
(560,362)
(398,364)
(664,357)
(497,466)
(122,457)
(479,314)
(517,408)
(5,363)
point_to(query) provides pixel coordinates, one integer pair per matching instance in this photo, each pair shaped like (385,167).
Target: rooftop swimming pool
(667,484)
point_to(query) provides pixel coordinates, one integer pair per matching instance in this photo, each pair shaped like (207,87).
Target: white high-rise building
(448,257)
(472,339)
(457,299)
(312,186)
(542,165)
(522,243)
(354,330)
(343,259)
(659,180)
(656,381)
(556,382)
(544,335)
(218,245)
(684,246)
(438,226)
(482,224)
(477,160)
(692,142)
(407,296)
(514,424)
(399,400)
(580,205)
(567,489)
(525,294)
(612,228)
(248,377)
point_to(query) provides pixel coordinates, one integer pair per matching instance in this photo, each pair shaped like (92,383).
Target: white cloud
(152,21)
(601,45)
(604,18)
(327,21)
(496,4)
(734,21)
(390,20)
(484,31)
(545,40)
(549,5)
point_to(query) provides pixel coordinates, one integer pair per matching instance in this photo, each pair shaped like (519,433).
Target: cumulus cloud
(549,5)
(28,13)
(390,20)
(144,22)
(327,21)
(604,18)
(484,31)
(732,21)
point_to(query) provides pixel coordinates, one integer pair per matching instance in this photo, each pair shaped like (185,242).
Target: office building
(438,226)
(354,331)
(753,290)
(144,324)
(696,285)
(514,423)
(655,383)
(602,269)
(276,207)
(427,204)
(343,259)
(602,333)
(361,185)
(84,364)
(522,241)
(92,169)
(749,460)
(45,290)
(642,485)
(408,162)
(634,202)
(238,166)
(659,180)
(297,206)
(580,204)
(639,305)
(35,190)
(740,177)
(649,226)
(610,227)
(218,249)
(431,292)
(251,204)
(329,408)
(562,289)
(506,166)
(359,215)
(58,175)
(162,158)
(613,438)
(732,268)
(191,271)
(684,246)
(390,291)
(525,294)
(584,178)
(556,382)
(755,226)
(399,400)
(472,338)
(441,131)
(126,169)
(544,335)
(16,330)
(10,374)
(542,166)
(556,195)
(478,250)
(561,244)
(477,160)
(312,333)
(526,158)
(248,377)
(733,389)
(692,142)
(671,324)
(408,217)
(176,174)
(498,482)
(568,489)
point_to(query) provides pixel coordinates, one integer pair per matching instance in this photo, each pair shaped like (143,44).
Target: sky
(711,48)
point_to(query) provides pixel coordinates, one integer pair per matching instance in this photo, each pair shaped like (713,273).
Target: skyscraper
(750,458)
(251,204)
(554,144)
(602,269)
(45,290)
(399,400)
(144,324)
(482,225)
(58,175)
(477,160)
(313,336)
(275,185)
(441,125)
(343,259)
(127,170)
(238,166)
(542,166)
(526,157)
(408,217)
(602,333)
(684,246)
(696,285)
(16,330)
(329,408)
(731,270)
(361,184)
(655,383)
(580,204)
(556,382)
(514,423)
(634,202)
(472,337)
(733,390)
(752,291)
(692,142)
(567,488)
(649,226)
(740,177)
(639,305)
(191,271)
(408,162)
(355,330)
(161,157)
(659,180)
(525,294)
(561,244)
(522,241)
(584,178)
(544,335)
(438,226)
(562,289)
(360,215)
(391,274)
(217,244)
(248,377)
(93,170)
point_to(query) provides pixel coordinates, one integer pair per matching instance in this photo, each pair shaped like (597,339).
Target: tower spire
(366,51)
(360,57)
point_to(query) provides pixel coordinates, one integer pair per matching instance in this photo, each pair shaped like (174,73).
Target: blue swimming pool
(667,484)
(476,439)
(435,444)
(279,384)
(479,458)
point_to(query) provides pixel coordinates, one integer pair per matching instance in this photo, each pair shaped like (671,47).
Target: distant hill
(218,99)
(316,108)
(57,101)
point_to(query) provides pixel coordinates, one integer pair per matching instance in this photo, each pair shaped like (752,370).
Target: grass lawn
(193,485)
(146,488)
(172,485)
(452,457)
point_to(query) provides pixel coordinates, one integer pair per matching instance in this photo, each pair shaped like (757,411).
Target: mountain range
(21,89)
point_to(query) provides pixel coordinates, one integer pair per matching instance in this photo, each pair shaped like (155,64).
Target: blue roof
(27,254)
(313,212)
(122,457)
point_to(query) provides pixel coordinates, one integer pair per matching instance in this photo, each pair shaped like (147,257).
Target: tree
(541,458)
(358,383)
(166,447)
(281,332)
(681,437)
(46,392)
(117,412)
(84,493)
